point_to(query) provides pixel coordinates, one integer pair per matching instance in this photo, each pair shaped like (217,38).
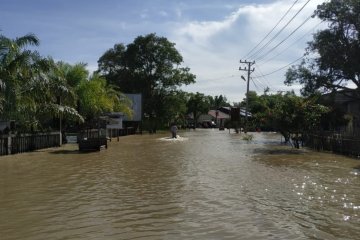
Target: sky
(211,35)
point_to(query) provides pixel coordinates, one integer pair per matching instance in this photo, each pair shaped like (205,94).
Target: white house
(115,120)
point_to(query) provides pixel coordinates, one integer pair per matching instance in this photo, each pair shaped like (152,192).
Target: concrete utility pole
(249,71)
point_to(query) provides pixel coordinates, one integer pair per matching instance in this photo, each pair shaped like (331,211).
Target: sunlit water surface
(206,184)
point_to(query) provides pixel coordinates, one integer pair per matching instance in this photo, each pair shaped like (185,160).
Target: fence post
(9,145)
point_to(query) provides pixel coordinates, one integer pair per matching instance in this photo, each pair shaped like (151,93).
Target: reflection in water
(208,184)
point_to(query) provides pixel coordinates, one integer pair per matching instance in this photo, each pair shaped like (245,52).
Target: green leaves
(149,65)
(335,51)
(35,90)
(97,97)
(286,113)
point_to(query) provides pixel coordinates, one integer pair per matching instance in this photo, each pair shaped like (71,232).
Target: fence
(12,144)
(112,132)
(108,132)
(337,143)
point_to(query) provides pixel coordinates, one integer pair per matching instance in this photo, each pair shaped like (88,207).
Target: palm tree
(30,84)
(18,65)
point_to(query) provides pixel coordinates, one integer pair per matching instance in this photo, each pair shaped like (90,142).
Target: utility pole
(249,71)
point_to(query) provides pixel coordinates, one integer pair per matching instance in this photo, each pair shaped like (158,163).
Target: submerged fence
(108,132)
(12,144)
(337,143)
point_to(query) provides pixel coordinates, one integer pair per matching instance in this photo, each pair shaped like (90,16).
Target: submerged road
(207,184)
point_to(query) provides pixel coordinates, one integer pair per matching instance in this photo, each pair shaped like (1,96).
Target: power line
(255,84)
(220,78)
(272,49)
(292,44)
(278,33)
(271,29)
(263,85)
(268,82)
(282,67)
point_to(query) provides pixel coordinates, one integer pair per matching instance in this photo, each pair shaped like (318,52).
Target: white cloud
(199,32)
(212,49)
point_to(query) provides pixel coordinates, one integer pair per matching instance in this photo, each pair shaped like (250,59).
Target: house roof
(221,115)
(227,110)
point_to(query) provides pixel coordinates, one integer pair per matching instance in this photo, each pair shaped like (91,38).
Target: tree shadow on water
(290,151)
(67,152)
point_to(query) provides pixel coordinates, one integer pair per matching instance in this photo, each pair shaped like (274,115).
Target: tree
(335,51)
(218,101)
(97,97)
(151,66)
(30,84)
(289,114)
(17,66)
(197,104)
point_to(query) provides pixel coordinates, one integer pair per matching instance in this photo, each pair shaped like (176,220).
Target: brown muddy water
(208,184)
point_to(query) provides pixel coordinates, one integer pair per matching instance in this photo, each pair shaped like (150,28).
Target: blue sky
(212,35)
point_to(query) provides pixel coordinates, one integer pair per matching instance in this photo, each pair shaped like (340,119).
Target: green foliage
(97,97)
(335,51)
(218,101)
(198,104)
(287,113)
(150,65)
(35,91)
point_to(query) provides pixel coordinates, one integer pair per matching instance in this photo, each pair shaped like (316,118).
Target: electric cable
(281,42)
(292,44)
(271,29)
(282,67)
(278,33)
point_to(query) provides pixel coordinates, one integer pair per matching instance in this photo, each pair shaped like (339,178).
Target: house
(115,120)
(219,116)
(348,102)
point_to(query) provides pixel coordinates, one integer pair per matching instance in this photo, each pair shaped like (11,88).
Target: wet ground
(206,184)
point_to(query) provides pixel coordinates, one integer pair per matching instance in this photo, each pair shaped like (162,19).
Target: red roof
(220,115)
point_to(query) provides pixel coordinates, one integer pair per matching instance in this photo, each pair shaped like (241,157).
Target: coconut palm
(30,84)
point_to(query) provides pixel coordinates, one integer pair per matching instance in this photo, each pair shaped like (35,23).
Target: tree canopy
(150,65)
(333,61)
(287,113)
(34,90)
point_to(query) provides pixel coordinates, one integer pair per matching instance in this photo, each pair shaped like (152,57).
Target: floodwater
(207,184)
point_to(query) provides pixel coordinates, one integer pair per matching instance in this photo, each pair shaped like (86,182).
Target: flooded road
(208,184)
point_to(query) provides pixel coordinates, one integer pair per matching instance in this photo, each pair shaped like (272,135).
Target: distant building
(136,107)
(115,120)
(219,116)
(349,103)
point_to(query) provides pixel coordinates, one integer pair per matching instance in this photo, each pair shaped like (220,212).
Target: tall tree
(30,84)
(97,97)
(218,101)
(287,113)
(335,51)
(151,66)
(198,104)
(18,66)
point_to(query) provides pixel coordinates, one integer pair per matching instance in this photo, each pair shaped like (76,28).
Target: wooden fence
(12,144)
(337,143)
(109,132)
(112,132)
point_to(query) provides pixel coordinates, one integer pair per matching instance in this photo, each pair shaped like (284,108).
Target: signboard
(136,107)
